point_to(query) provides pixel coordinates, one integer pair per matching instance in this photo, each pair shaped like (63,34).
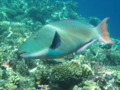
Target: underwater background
(102,9)
(95,68)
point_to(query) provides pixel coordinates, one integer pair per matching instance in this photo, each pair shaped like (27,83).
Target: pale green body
(65,37)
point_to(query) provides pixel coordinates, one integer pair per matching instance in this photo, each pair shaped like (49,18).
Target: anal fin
(85,46)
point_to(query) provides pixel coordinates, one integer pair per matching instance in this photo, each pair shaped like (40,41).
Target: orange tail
(105,35)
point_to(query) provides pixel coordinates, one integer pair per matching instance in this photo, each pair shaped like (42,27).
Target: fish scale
(62,38)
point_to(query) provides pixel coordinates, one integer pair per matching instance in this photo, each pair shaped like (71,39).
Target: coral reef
(67,75)
(63,76)
(97,67)
(106,53)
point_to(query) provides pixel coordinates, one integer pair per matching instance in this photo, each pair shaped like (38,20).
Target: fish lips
(19,54)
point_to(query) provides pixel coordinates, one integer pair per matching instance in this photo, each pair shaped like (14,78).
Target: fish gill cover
(97,67)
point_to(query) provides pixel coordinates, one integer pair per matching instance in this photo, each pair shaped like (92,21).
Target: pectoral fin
(61,60)
(56,41)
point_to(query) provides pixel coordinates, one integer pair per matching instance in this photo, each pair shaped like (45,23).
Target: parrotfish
(63,37)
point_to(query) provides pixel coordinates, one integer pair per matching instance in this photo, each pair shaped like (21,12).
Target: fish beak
(19,54)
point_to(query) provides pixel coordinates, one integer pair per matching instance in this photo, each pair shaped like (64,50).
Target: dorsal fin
(56,41)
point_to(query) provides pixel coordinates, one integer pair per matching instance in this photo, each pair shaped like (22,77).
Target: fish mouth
(20,53)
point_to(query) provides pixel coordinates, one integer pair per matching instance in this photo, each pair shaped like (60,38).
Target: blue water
(102,9)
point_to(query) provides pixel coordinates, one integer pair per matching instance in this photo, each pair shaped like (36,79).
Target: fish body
(62,38)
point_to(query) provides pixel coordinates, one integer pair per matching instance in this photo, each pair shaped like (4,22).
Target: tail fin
(105,35)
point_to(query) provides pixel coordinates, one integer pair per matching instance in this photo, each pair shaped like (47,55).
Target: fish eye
(35,37)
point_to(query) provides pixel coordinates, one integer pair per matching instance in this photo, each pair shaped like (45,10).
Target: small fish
(62,38)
